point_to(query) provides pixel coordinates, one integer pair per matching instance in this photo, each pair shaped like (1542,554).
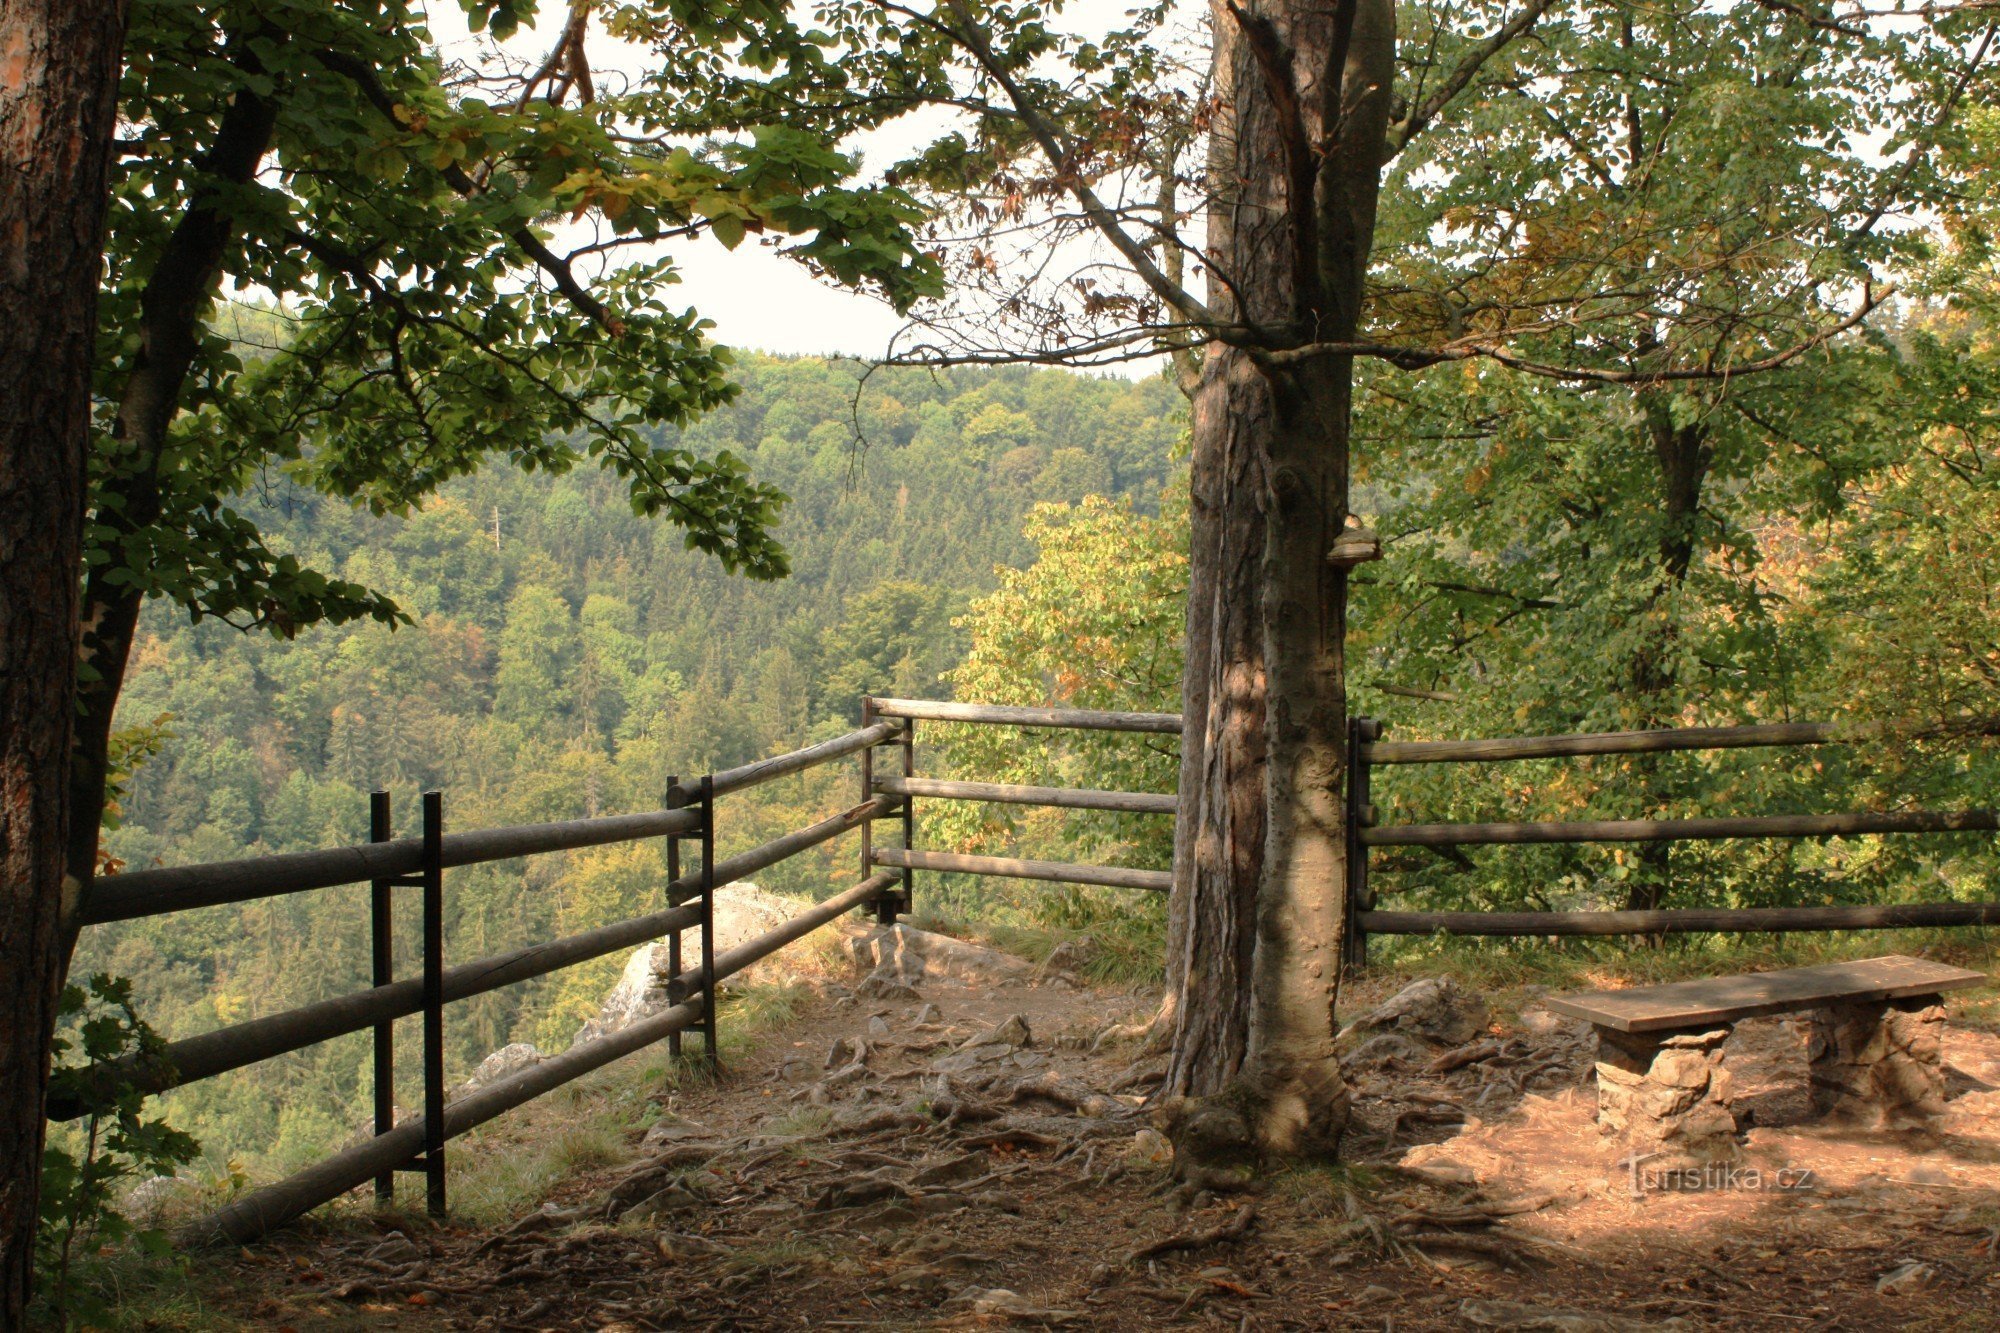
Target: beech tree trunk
(1259,859)
(59,63)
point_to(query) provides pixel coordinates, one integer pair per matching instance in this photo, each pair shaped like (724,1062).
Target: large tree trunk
(1259,863)
(58,90)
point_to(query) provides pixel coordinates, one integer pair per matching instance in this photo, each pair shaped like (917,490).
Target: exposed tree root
(1234,1229)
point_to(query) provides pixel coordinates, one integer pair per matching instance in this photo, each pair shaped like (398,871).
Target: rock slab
(910,956)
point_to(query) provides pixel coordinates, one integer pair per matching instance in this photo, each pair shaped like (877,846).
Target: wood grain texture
(1694,1004)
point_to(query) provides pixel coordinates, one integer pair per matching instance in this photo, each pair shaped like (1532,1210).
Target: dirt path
(917,1162)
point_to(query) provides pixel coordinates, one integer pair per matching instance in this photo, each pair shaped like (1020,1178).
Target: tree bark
(59,64)
(1259,865)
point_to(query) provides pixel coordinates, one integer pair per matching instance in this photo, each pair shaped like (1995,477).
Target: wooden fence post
(883,914)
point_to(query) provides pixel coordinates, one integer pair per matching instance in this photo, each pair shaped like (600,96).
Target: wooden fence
(886,883)
(388,864)
(1367,751)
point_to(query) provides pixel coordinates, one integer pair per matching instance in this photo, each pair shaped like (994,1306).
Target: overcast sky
(757,299)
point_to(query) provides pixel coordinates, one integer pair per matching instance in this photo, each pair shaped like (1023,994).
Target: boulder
(152,1197)
(743,911)
(1436,1010)
(903,953)
(503,1063)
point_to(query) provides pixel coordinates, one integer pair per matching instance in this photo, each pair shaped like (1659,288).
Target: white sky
(757,299)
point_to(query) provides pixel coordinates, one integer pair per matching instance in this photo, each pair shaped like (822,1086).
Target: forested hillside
(567,657)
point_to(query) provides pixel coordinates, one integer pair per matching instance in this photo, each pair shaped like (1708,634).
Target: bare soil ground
(936,1183)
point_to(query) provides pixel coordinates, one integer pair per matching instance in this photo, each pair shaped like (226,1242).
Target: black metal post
(906,902)
(433,873)
(1360,813)
(708,917)
(381,945)
(883,912)
(673,936)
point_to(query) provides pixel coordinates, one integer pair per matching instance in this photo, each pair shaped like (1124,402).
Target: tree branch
(1422,114)
(1183,302)
(558,270)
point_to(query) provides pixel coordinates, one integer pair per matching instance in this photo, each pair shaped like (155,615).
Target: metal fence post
(433,874)
(1360,813)
(908,744)
(708,917)
(674,802)
(381,946)
(867,829)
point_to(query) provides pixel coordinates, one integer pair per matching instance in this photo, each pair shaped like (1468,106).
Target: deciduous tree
(58,77)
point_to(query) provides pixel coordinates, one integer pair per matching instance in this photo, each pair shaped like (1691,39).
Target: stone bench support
(1879,1065)
(1666,1092)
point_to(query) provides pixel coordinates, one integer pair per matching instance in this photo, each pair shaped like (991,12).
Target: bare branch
(1424,112)
(1183,302)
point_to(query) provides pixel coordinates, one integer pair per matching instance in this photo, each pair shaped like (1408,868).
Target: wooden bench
(1875,1049)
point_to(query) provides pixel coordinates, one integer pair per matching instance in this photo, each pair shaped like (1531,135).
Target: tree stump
(1666,1092)
(1879,1065)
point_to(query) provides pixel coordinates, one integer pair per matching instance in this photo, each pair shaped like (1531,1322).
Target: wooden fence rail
(1681,830)
(1603,742)
(1367,750)
(1062,798)
(1008,715)
(388,864)
(1858,916)
(1007,867)
(885,883)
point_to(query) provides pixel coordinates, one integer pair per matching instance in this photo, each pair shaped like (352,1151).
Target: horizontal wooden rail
(192,1059)
(1679,830)
(1682,920)
(1068,798)
(786,847)
(195,1058)
(735,960)
(778,766)
(1005,867)
(141,893)
(274,1205)
(1603,742)
(261,1210)
(1008,715)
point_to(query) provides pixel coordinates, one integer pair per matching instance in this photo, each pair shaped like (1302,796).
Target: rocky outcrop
(503,1063)
(903,954)
(743,911)
(1436,1010)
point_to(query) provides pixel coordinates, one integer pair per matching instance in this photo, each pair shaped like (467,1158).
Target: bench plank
(1695,1004)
